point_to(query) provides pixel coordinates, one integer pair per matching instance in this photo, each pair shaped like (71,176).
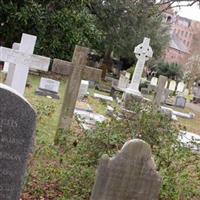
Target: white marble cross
(143,53)
(23,59)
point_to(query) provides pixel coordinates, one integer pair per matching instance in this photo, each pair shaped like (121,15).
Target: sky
(192,12)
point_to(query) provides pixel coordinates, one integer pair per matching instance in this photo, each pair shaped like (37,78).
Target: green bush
(178,166)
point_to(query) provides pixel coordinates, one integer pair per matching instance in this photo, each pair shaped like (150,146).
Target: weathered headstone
(143,53)
(48,87)
(172,85)
(161,91)
(83,89)
(131,174)
(180,101)
(17,125)
(22,59)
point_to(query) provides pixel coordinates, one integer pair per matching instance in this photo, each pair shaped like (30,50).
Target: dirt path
(194,107)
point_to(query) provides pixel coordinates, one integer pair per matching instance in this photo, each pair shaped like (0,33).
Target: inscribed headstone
(129,175)
(17,125)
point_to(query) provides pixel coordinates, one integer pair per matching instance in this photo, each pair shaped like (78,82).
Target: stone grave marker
(48,87)
(186,92)
(123,82)
(77,70)
(17,126)
(180,87)
(161,91)
(143,53)
(8,66)
(131,174)
(103,97)
(180,101)
(128,75)
(83,89)
(22,59)
(172,85)
(154,81)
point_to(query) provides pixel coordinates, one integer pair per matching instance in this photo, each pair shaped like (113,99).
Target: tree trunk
(107,62)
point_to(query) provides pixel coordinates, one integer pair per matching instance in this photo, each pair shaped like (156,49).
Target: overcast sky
(192,12)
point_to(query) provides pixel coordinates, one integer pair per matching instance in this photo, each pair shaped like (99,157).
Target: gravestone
(180,101)
(143,53)
(154,81)
(22,60)
(161,92)
(172,85)
(180,87)
(9,67)
(103,97)
(186,92)
(77,70)
(17,125)
(83,89)
(123,82)
(48,87)
(131,174)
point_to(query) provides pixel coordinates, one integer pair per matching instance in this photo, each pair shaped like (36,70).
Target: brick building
(182,34)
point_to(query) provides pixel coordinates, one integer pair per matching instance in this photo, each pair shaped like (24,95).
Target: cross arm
(62,67)
(31,60)
(92,74)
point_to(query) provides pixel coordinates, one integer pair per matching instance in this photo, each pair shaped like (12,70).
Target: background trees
(115,25)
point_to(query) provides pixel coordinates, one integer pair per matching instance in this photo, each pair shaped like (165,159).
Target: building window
(182,32)
(186,33)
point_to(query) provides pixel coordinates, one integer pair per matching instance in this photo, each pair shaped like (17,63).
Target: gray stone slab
(103,97)
(49,85)
(129,175)
(180,101)
(47,93)
(17,125)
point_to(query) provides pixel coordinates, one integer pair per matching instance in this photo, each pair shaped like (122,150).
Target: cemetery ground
(67,172)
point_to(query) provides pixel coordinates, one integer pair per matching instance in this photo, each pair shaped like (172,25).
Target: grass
(54,173)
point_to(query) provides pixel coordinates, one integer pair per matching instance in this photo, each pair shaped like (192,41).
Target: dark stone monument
(180,101)
(17,124)
(129,175)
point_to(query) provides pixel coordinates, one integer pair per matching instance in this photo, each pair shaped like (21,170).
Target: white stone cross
(143,53)
(10,65)
(23,60)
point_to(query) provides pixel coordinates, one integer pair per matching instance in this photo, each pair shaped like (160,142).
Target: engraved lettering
(7,140)
(5,155)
